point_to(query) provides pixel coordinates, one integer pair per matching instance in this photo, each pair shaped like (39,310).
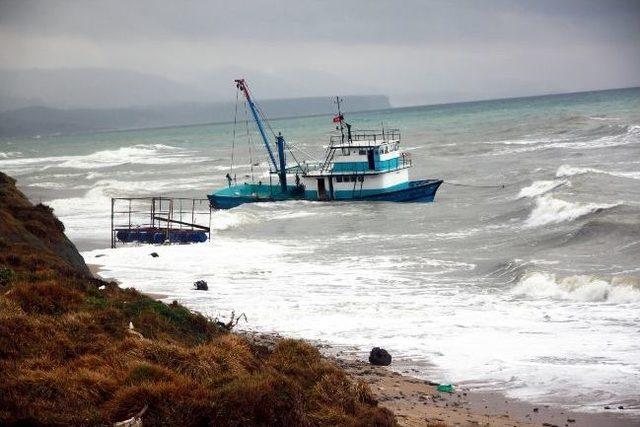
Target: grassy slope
(67,355)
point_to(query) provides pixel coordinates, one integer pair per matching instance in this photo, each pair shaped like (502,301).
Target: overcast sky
(415,51)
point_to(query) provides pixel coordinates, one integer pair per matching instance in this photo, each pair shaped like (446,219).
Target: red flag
(338,119)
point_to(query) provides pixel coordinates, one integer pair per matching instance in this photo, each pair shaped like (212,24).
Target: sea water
(523,276)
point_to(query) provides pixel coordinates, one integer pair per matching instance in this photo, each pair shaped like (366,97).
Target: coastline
(416,402)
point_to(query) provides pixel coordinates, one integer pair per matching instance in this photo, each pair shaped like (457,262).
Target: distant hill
(89,88)
(39,120)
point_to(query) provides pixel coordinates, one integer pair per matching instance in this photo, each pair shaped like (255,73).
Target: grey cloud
(426,51)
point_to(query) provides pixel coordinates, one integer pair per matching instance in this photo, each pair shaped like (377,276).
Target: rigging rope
(476,186)
(249,144)
(233,141)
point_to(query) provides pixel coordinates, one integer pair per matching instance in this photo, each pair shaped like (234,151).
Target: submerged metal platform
(160,220)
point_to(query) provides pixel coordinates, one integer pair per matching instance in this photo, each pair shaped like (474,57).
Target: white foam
(568,170)
(50,185)
(537,341)
(549,210)
(631,135)
(146,154)
(227,219)
(578,288)
(538,188)
(86,216)
(9,154)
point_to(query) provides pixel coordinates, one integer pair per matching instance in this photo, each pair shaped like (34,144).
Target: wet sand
(416,402)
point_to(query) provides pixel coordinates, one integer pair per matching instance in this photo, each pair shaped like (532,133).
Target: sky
(417,52)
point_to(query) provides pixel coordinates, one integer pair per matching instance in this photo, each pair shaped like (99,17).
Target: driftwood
(135,421)
(233,322)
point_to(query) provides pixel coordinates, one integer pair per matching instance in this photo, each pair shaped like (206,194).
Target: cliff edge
(31,236)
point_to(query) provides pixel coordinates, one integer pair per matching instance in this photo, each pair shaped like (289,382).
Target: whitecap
(568,170)
(549,210)
(146,154)
(582,288)
(9,154)
(538,188)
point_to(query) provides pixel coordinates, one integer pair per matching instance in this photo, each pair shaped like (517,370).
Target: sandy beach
(416,402)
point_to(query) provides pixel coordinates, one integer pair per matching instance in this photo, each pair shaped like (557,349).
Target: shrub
(6,275)
(45,298)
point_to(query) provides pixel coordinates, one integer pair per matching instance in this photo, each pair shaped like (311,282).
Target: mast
(242,85)
(282,170)
(338,100)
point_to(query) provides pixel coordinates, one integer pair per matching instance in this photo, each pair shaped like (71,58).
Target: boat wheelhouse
(358,165)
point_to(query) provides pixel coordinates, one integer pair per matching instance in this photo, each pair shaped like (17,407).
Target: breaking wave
(602,137)
(9,154)
(568,170)
(549,210)
(145,154)
(583,288)
(538,188)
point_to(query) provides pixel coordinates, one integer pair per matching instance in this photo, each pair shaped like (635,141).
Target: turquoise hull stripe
(353,167)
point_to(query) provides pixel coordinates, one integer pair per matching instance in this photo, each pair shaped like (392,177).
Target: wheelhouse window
(361,178)
(339,178)
(345,151)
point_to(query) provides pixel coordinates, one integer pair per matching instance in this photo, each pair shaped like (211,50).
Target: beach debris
(200,285)
(132,331)
(233,322)
(154,254)
(571,420)
(607,407)
(535,409)
(379,357)
(445,388)
(100,255)
(135,421)
(620,407)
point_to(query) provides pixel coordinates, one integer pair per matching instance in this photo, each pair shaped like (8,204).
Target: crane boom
(242,85)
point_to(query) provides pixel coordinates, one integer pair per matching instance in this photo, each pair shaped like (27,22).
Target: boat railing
(367,135)
(401,162)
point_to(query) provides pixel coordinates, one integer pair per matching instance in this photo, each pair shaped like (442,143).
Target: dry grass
(68,358)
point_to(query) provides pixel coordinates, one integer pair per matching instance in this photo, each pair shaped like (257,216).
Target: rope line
(457,184)
(233,141)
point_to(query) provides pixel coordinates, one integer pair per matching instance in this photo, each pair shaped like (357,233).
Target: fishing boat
(358,165)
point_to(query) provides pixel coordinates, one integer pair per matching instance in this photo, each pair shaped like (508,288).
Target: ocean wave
(568,170)
(625,234)
(538,188)
(49,185)
(549,210)
(602,137)
(146,154)
(226,219)
(583,288)
(9,154)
